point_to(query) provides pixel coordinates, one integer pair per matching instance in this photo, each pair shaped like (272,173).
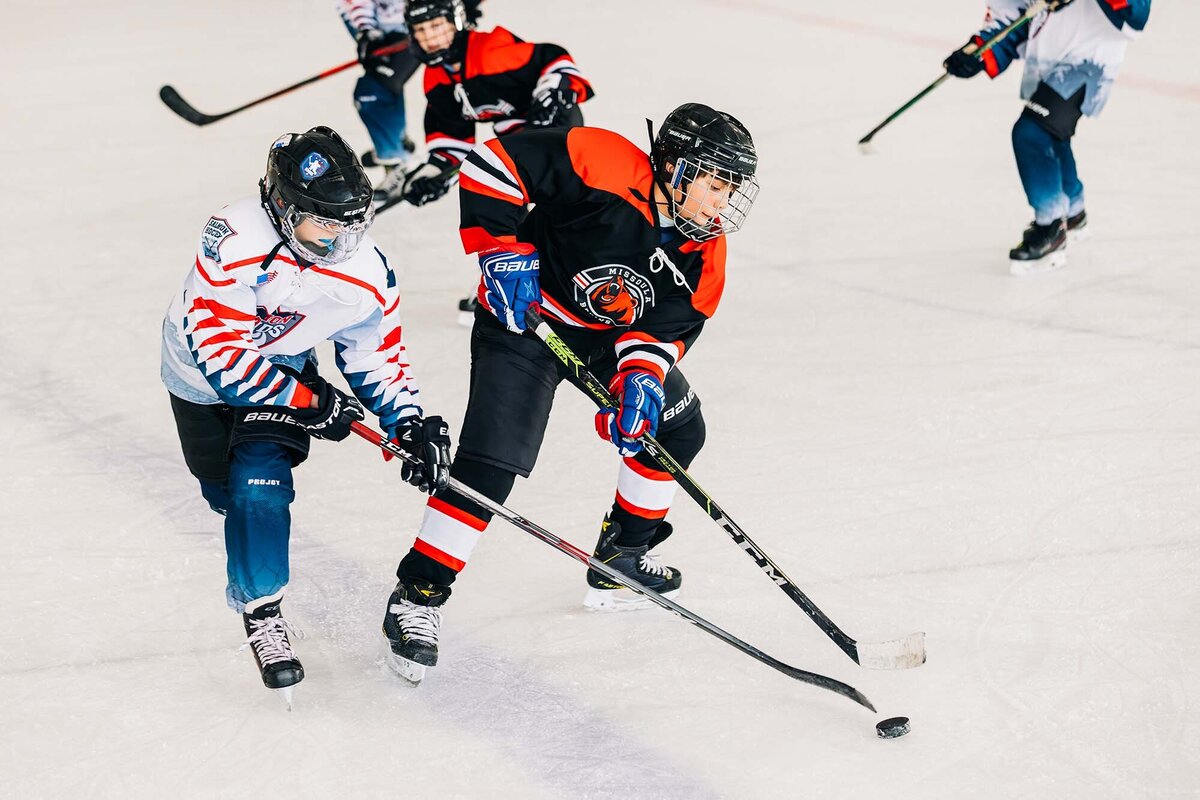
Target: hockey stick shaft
(183,108)
(896,654)
(1029,14)
(565,547)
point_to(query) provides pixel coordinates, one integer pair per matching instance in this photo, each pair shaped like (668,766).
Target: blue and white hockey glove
(641,398)
(511,280)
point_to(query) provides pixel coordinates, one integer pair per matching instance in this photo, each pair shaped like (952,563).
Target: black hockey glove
(368,39)
(474,12)
(962,64)
(551,105)
(371,40)
(334,412)
(429,440)
(429,181)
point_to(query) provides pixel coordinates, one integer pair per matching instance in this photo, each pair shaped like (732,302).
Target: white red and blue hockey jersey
(241,312)
(383,15)
(1081,45)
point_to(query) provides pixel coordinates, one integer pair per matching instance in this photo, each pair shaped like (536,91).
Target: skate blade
(610,600)
(1051,262)
(410,671)
(285,694)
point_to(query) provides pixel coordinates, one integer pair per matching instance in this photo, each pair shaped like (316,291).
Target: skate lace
(270,640)
(652,566)
(420,623)
(660,259)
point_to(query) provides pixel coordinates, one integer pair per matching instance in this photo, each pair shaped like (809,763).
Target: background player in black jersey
(625,253)
(479,76)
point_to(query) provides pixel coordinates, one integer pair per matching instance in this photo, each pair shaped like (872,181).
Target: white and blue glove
(511,280)
(641,397)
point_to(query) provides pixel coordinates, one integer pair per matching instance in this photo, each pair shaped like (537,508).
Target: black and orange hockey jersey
(495,83)
(610,267)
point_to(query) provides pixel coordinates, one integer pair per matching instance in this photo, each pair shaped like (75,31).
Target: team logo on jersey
(216,231)
(265,278)
(613,293)
(314,166)
(269,328)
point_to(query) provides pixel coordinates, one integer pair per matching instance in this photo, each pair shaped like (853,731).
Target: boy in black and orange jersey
(625,253)
(479,76)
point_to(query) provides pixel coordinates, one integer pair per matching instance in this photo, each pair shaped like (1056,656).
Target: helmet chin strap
(657,181)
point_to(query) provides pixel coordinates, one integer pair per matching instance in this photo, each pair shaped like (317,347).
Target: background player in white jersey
(274,275)
(379,93)
(1071,60)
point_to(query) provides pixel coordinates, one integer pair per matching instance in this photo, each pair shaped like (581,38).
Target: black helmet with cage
(316,176)
(418,11)
(699,142)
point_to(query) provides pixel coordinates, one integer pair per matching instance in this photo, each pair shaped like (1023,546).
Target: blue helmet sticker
(313,166)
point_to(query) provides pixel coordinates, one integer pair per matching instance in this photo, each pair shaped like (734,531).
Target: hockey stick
(1036,8)
(183,108)
(535,530)
(893,654)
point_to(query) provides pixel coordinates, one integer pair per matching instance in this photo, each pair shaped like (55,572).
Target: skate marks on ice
(1097,680)
(544,731)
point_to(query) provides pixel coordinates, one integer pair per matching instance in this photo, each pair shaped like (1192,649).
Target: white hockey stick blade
(410,671)
(903,653)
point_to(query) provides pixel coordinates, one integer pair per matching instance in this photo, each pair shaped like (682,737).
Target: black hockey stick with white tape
(183,108)
(894,654)
(1036,8)
(535,530)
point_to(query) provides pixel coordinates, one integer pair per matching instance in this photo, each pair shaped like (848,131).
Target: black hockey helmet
(694,141)
(316,176)
(418,11)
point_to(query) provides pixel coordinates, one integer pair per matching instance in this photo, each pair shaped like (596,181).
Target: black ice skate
(412,624)
(1043,248)
(267,635)
(1077,229)
(635,562)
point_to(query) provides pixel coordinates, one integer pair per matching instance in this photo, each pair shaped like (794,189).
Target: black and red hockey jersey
(609,266)
(495,83)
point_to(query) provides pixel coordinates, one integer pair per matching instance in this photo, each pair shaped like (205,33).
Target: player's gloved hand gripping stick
(535,530)
(971,50)
(893,654)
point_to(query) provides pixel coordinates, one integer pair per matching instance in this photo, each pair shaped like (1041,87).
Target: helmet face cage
(426,10)
(343,242)
(722,206)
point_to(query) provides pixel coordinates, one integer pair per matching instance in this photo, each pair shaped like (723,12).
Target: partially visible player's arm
(372,357)
(218,323)
(660,338)
(556,68)
(501,177)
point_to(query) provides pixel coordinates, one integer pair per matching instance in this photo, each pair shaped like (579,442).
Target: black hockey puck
(892,728)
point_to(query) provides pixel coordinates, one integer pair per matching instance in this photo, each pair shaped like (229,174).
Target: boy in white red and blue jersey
(1072,53)
(275,274)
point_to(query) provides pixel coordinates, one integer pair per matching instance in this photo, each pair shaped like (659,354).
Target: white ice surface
(920,440)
